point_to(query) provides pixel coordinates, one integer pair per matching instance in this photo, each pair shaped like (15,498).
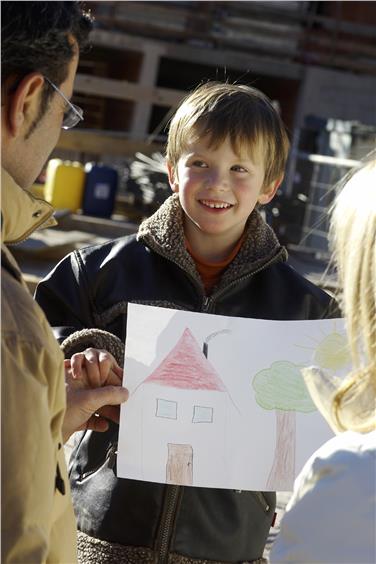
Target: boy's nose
(217,181)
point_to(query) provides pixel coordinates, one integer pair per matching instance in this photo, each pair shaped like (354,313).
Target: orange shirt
(210,272)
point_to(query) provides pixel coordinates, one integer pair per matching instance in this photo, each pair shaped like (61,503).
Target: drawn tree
(281,388)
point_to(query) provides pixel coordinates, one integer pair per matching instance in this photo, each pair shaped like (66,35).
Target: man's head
(40,46)
(242,113)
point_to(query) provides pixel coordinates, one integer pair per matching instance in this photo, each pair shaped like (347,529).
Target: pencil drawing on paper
(179,467)
(281,388)
(210,394)
(331,352)
(193,394)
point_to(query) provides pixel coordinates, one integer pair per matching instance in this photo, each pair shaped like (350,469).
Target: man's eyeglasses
(73,114)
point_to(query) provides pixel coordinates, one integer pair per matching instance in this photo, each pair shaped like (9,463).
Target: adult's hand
(93,384)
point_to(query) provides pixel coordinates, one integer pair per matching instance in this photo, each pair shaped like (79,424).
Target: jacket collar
(163,232)
(21,212)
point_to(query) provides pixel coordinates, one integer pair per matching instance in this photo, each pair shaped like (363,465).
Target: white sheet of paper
(219,401)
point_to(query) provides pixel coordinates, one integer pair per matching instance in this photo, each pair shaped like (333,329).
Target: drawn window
(166,408)
(202,414)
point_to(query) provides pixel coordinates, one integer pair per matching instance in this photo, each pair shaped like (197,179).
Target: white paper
(233,413)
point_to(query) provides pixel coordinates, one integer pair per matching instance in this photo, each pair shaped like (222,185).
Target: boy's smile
(216,205)
(218,190)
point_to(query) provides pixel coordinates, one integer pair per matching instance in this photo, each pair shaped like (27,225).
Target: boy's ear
(174,184)
(23,104)
(269,192)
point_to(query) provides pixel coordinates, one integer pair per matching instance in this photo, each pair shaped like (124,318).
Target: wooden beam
(124,90)
(143,109)
(100,143)
(272,11)
(238,60)
(124,41)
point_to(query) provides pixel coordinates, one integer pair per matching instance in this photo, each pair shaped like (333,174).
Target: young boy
(206,249)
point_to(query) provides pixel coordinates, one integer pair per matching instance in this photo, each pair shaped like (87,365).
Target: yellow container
(65,183)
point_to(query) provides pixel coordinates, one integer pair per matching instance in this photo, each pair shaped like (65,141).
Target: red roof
(187,367)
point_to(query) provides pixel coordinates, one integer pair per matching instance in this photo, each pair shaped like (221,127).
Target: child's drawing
(186,390)
(192,417)
(281,388)
(186,367)
(331,352)
(179,468)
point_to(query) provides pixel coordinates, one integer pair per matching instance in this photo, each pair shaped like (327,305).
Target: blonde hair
(353,240)
(242,113)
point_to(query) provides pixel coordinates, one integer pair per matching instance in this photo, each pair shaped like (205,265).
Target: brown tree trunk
(282,473)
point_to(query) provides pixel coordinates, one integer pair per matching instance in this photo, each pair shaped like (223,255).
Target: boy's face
(218,190)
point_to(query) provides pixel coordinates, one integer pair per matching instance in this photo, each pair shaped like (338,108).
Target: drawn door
(179,469)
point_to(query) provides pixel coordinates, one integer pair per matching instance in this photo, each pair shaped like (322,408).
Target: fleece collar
(163,232)
(21,212)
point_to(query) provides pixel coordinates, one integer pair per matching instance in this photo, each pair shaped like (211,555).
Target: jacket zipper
(110,456)
(262,500)
(167,523)
(205,304)
(208,301)
(172,493)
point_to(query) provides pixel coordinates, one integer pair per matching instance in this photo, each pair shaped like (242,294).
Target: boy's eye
(199,164)
(239,168)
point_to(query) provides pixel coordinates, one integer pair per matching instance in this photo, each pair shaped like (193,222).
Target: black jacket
(91,289)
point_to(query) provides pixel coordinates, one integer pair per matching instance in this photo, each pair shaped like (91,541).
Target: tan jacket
(38,523)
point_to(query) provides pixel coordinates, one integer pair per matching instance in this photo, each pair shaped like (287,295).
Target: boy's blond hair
(353,236)
(242,113)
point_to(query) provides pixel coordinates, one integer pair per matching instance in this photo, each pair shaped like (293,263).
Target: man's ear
(269,192)
(172,178)
(23,103)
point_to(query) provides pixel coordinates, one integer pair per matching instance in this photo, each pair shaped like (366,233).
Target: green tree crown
(282,387)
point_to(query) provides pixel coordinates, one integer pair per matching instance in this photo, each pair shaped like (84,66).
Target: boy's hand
(93,384)
(100,366)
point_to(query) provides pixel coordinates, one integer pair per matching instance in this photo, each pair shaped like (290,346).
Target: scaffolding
(322,153)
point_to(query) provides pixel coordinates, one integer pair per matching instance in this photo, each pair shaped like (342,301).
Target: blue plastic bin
(100,190)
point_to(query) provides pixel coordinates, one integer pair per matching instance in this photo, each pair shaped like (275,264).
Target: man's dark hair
(37,37)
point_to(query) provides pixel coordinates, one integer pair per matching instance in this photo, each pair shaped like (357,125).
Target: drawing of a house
(184,406)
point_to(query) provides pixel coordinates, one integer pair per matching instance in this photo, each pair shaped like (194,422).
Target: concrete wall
(337,95)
